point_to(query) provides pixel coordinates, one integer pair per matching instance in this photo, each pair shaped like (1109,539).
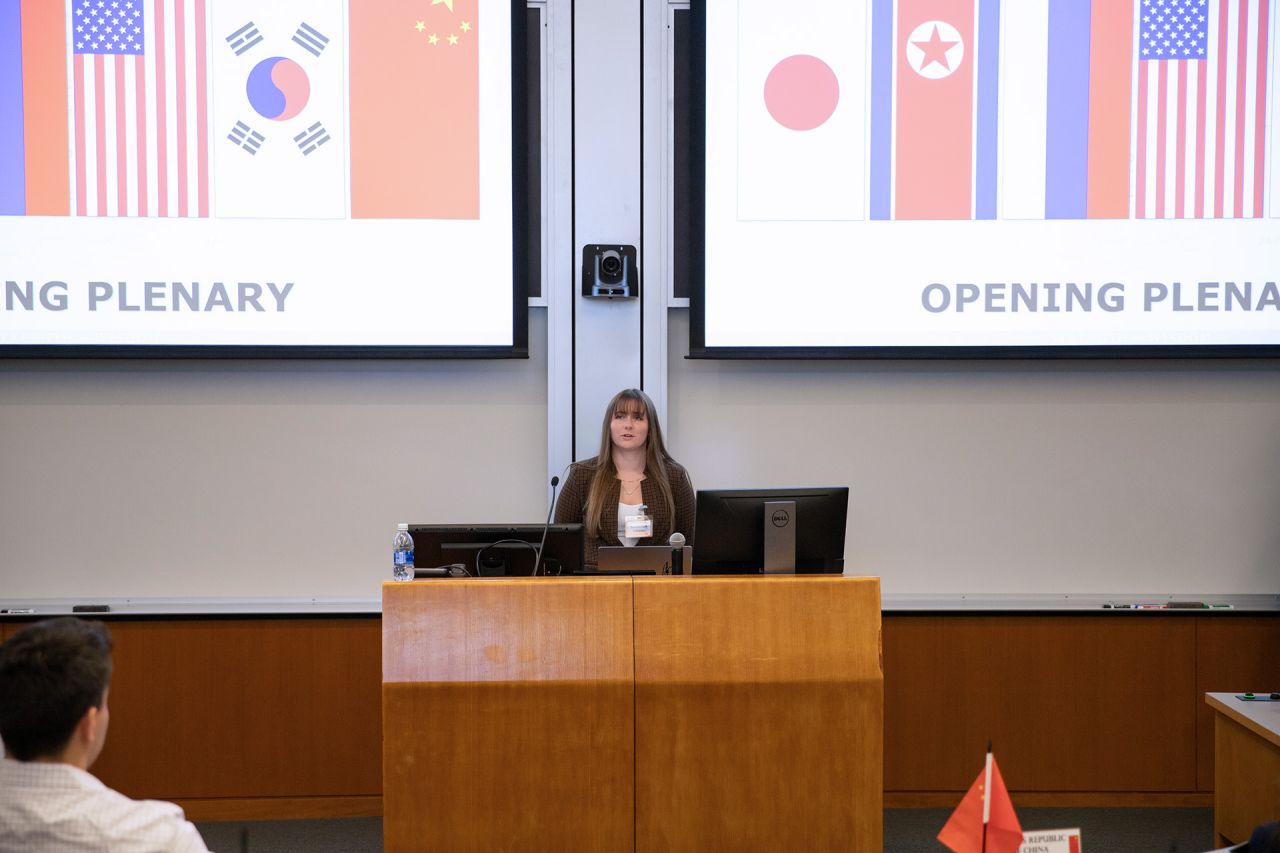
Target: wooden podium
(654,713)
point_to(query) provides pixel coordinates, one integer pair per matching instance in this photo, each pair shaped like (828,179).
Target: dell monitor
(498,550)
(747,531)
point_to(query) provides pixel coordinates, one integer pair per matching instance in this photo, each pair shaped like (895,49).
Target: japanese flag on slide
(801,111)
(278,109)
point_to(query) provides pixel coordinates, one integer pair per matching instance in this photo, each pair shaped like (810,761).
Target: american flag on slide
(1201,108)
(139,115)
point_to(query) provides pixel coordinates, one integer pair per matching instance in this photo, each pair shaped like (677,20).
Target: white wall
(194,479)
(990,477)
(274,478)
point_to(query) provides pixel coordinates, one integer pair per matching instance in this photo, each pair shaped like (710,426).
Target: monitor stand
(780,537)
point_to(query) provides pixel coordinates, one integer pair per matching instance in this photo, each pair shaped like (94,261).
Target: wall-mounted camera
(609,271)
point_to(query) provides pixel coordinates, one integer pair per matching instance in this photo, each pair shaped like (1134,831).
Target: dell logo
(781,518)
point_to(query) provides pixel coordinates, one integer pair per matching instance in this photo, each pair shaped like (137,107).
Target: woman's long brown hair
(657,460)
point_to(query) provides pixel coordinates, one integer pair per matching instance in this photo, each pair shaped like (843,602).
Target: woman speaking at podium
(633,492)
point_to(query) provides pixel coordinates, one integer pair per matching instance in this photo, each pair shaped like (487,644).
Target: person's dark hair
(51,673)
(1265,838)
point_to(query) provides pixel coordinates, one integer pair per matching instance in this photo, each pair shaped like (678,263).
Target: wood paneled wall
(247,718)
(1082,709)
(281,718)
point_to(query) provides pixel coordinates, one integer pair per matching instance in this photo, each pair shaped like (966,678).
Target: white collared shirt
(54,807)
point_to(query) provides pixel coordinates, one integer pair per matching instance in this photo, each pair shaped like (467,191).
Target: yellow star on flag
(447,3)
(433,39)
(453,39)
(465,26)
(420,26)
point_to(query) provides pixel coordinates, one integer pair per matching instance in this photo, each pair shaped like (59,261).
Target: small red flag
(963,832)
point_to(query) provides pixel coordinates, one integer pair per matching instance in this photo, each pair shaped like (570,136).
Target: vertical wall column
(657,177)
(558,140)
(607,347)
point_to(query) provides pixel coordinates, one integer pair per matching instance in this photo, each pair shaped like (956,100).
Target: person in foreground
(1265,838)
(54,679)
(633,470)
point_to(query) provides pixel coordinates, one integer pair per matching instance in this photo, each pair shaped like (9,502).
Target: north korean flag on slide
(934,110)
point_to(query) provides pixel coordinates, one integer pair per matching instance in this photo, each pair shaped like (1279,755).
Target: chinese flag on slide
(415,109)
(986,802)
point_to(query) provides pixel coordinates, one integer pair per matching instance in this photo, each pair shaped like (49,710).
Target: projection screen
(985,178)
(238,178)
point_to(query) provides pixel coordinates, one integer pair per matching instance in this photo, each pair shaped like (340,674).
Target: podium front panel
(508,715)
(759,714)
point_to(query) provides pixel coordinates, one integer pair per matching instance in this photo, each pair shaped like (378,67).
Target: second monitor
(499,550)
(771,530)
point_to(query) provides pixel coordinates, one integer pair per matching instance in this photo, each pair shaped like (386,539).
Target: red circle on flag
(801,92)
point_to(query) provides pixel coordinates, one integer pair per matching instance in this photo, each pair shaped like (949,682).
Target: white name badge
(638,526)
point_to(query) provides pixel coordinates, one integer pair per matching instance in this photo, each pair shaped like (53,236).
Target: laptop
(640,559)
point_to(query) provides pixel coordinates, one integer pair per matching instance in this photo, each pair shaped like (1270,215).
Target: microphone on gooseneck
(677,554)
(555,481)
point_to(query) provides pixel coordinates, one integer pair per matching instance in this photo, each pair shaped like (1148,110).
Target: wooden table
(1246,738)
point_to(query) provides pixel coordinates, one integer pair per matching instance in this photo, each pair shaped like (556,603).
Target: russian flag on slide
(1065,141)
(934,108)
(34,174)
(1144,109)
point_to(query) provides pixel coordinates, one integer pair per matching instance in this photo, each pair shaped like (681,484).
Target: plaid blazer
(571,506)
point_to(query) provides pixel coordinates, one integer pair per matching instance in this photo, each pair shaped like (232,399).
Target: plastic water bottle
(402,554)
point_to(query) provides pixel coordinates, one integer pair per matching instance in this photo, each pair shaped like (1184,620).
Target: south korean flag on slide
(278,125)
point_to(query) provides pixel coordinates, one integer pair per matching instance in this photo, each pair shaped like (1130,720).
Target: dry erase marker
(16,611)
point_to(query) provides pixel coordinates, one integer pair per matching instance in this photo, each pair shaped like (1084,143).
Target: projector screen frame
(519,316)
(698,348)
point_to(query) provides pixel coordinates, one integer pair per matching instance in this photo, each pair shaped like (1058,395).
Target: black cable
(523,542)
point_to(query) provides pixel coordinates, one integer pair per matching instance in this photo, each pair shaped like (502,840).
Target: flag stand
(985,820)
(986,798)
